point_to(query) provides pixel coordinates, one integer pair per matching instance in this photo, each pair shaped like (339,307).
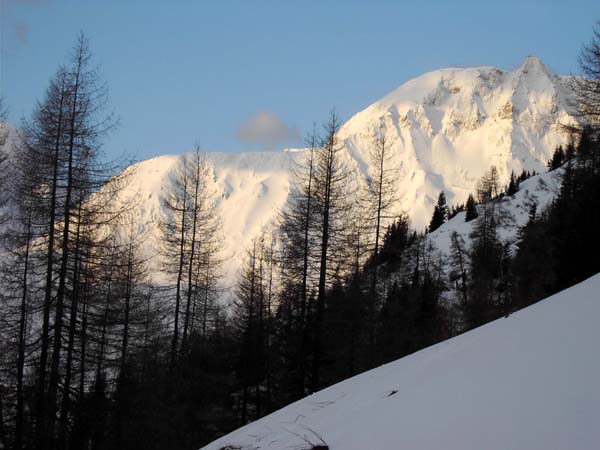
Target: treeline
(390,300)
(488,188)
(94,354)
(105,345)
(505,278)
(558,245)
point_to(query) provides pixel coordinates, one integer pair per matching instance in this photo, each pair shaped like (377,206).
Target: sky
(255,75)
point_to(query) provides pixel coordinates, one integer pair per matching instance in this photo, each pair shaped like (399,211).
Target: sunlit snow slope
(250,189)
(529,381)
(444,130)
(447,127)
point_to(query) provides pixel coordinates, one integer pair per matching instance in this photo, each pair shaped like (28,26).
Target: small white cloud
(266,129)
(19,29)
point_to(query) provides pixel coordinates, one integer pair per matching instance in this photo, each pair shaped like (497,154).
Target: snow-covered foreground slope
(444,130)
(529,381)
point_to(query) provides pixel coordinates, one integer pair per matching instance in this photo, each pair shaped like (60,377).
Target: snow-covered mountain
(529,381)
(445,129)
(449,126)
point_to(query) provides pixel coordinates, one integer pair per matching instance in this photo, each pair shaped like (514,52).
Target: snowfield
(250,190)
(444,130)
(529,381)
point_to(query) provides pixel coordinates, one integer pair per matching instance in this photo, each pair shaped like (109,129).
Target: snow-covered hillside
(445,129)
(511,213)
(529,381)
(250,188)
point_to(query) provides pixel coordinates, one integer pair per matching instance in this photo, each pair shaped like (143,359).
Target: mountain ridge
(470,118)
(445,128)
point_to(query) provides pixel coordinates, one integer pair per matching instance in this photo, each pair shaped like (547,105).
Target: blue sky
(250,75)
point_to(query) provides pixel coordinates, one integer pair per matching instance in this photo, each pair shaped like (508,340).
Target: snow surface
(444,128)
(447,127)
(511,213)
(529,381)
(250,188)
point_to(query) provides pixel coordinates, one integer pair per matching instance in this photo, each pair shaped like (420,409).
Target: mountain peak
(445,128)
(533,64)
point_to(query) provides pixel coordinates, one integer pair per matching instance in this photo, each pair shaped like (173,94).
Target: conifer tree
(299,236)
(486,253)
(381,195)
(440,213)
(533,265)
(488,186)
(59,156)
(513,185)
(249,323)
(396,330)
(570,151)
(43,140)
(190,244)
(18,300)
(557,159)
(460,260)
(396,239)
(471,209)
(332,200)
(505,286)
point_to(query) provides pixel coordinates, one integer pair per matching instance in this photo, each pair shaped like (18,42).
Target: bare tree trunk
(146,335)
(128,290)
(373,293)
(249,330)
(460,257)
(3,436)
(62,275)
(206,294)
(269,327)
(382,195)
(66,396)
(21,349)
(83,352)
(41,426)
(192,255)
(175,340)
(305,255)
(104,323)
(315,381)
(325,228)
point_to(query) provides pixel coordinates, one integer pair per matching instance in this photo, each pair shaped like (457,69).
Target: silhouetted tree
(440,213)
(513,185)
(557,159)
(471,209)
(381,196)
